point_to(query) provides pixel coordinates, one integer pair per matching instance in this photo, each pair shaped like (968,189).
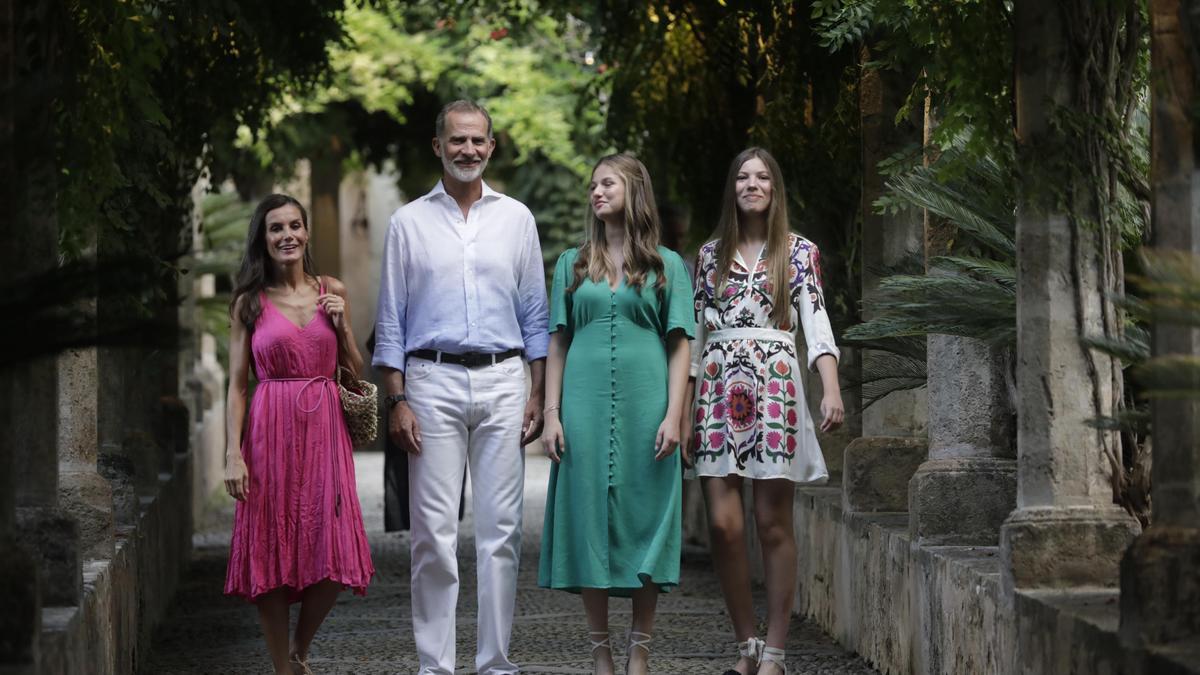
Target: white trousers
(469,417)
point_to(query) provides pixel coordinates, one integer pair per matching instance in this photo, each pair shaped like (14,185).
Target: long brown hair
(641,231)
(729,233)
(255,271)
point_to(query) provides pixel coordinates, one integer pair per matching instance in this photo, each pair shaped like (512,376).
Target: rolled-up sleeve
(814,319)
(531,289)
(393,300)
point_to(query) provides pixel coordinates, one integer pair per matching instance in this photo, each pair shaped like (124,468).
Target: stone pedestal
(53,536)
(877,471)
(968,486)
(1064,547)
(1160,586)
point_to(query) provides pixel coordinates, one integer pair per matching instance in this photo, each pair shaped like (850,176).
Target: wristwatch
(393,399)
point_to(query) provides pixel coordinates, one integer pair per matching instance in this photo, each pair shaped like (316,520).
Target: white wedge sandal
(751,649)
(776,656)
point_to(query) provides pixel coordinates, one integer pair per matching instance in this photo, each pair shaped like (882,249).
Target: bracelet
(551,409)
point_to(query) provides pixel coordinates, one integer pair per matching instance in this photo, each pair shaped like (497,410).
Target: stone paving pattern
(209,633)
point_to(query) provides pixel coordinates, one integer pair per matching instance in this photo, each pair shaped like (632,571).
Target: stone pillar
(82,491)
(964,491)
(877,467)
(1160,574)
(1066,531)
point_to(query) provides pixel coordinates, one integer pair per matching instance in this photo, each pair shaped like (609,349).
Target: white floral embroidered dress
(750,412)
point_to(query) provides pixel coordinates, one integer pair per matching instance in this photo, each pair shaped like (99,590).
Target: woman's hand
(667,438)
(335,306)
(832,411)
(237,479)
(552,437)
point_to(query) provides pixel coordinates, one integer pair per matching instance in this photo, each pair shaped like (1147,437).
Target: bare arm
(337,306)
(833,411)
(552,435)
(237,481)
(678,367)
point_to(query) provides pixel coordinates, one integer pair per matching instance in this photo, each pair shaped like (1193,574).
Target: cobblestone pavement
(206,632)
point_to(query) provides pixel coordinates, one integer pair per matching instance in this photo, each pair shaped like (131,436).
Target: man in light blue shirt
(462,298)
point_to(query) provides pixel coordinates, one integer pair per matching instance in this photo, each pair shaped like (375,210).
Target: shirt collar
(440,189)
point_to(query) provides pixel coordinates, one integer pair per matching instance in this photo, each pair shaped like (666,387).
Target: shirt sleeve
(700,300)
(560,302)
(678,298)
(809,300)
(531,288)
(393,301)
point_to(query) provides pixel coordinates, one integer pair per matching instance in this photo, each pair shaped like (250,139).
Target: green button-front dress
(612,511)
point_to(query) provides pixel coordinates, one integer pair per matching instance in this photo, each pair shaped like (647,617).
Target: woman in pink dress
(298,532)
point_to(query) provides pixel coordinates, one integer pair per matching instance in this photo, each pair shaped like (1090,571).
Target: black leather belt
(470,359)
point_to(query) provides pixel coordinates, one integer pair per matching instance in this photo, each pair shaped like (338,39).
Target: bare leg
(773,500)
(726,529)
(273,615)
(645,602)
(595,605)
(315,604)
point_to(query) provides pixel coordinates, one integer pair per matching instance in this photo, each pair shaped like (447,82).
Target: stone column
(878,466)
(82,490)
(1160,574)
(964,491)
(1065,531)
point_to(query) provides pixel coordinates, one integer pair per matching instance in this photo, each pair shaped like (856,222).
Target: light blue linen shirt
(455,284)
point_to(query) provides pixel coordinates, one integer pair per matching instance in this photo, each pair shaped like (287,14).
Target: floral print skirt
(751,416)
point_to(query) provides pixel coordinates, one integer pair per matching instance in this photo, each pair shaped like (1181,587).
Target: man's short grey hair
(461,106)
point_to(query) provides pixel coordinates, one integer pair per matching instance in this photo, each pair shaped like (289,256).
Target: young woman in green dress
(621,317)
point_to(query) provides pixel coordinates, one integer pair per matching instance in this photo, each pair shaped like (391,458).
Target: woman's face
(287,237)
(607,194)
(752,187)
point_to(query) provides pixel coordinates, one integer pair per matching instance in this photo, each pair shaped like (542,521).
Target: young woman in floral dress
(756,283)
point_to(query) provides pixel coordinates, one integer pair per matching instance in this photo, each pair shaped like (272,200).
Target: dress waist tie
(309,381)
(763,334)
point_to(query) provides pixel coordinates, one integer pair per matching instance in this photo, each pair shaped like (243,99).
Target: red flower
(716,439)
(791,444)
(791,388)
(773,439)
(782,368)
(699,415)
(718,411)
(703,387)
(774,410)
(499,34)
(773,387)
(791,417)
(719,388)
(742,413)
(711,369)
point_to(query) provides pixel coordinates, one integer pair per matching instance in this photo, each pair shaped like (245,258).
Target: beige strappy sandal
(751,649)
(299,665)
(599,644)
(775,656)
(636,638)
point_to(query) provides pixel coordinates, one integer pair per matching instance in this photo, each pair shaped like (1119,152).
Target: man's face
(465,148)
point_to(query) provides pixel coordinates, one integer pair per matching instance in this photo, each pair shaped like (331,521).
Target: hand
(335,306)
(237,479)
(552,438)
(403,428)
(531,428)
(667,438)
(687,431)
(832,411)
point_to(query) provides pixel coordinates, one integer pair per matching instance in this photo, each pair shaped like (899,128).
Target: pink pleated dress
(301,522)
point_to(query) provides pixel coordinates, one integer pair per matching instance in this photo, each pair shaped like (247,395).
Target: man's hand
(531,428)
(403,428)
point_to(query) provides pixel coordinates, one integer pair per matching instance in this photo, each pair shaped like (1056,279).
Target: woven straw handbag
(360,406)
